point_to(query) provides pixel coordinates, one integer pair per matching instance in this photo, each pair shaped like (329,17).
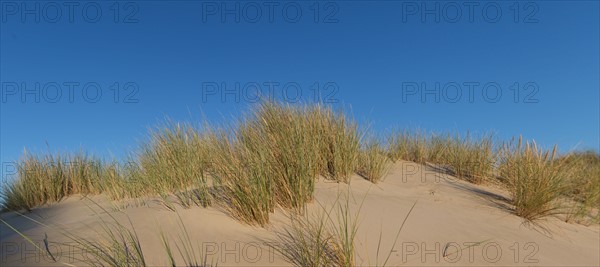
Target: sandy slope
(469,224)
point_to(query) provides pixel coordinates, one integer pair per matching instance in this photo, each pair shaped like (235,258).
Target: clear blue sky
(164,58)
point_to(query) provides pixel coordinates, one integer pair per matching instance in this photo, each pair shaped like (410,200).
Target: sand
(453,223)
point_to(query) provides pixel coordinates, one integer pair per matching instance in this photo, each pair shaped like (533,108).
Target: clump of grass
(274,155)
(471,159)
(439,147)
(418,146)
(583,185)
(534,178)
(373,163)
(307,242)
(175,161)
(468,158)
(344,232)
(407,145)
(339,141)
(240,171)
(49,179)
(124,181)
(287,135)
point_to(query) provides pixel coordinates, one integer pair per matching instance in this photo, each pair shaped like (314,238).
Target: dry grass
(534,178)
(175,162)
(243,176)
(470,159)
(49,179)
(583,186)
(407,145)
(467,158)
(339,142)
(308,242)
(373,163)
(286,135)
(275,155)
(272,157)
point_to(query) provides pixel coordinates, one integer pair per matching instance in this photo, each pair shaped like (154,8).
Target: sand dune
(453,223)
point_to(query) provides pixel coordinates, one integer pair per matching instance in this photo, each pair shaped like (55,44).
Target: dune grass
(344,232)
(373,163)
(439,148)
(240,170)
(175,161)
(534,178)
(290,145)
(172,163)
(272,157)
(341,144)
(408,145)
(583,185)
(307,242)
(274,154)
(470,159)
(49,179)
(467,158)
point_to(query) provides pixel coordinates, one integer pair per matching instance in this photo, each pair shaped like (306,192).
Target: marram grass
(275,155)
(373,163)
(534,178)
(51,178)
(175,161)
(583,186)
(272,156)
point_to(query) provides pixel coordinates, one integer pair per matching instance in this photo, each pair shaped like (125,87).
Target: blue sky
(104,77)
